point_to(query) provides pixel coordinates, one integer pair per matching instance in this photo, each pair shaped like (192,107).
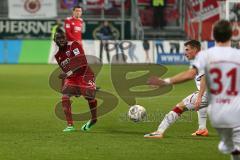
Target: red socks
(177,110)
(93,108)
(67,109)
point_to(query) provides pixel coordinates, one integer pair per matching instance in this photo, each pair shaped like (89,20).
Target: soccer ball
(137,113)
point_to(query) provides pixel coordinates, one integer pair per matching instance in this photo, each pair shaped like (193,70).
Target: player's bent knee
(181,106)
(71,90)
(89,93)
(178,110)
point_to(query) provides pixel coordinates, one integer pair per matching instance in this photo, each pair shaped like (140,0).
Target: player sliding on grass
(78,79)
(197,100)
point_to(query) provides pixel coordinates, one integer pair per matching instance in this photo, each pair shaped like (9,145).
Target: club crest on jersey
(68,53)
(76,51)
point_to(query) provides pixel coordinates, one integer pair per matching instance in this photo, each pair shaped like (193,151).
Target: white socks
(172,116)
(202,118)
(169,119)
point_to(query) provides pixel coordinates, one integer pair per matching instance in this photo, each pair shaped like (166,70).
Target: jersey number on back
(232,75)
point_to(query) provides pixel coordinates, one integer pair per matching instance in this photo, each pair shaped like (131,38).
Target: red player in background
(74,25)
(78,79)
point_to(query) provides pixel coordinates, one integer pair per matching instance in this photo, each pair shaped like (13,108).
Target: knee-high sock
(169,119)
(202,118)
(66,104)
(93,108)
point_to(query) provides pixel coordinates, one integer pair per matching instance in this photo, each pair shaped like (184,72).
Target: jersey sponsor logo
(76,51)
(65,62)
(76,28)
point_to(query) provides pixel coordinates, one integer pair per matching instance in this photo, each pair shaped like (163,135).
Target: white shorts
(230,139)
(190,100)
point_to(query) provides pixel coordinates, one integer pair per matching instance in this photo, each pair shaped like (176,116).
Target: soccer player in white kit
(222,67)
(196,99)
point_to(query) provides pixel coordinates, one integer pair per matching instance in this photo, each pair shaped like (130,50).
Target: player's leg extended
(169,119)
(93,108)
(66,104)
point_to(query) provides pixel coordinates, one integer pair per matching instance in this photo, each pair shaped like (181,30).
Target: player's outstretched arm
(179,78)
(155,81)
(182,77)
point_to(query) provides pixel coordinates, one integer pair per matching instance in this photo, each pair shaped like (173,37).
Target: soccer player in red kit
(78,79)
(74,25)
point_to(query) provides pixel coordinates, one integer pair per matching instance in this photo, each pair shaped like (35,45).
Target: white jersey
(222,68)
(197,78)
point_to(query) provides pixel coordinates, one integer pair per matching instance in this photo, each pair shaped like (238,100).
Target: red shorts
(80,85)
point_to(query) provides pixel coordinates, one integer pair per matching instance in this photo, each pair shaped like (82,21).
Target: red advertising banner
(233,15)
(208,16)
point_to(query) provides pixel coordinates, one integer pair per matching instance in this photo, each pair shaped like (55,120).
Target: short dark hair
(58,32)
(193,44)
(77,6)
(222,31)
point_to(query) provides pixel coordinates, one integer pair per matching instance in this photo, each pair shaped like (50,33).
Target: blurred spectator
(174,47)
(235,44)
(146,47)
(131,52)
(235,13)
(158,13)
(120,47)
(105,34)
(53,48)
(159,44)
(58,26)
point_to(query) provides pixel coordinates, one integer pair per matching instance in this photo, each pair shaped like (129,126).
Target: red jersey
(73,27)
(63,58)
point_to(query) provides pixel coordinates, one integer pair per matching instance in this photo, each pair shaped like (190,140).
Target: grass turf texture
(30,130)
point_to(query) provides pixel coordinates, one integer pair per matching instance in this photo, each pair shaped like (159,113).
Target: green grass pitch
(29,129)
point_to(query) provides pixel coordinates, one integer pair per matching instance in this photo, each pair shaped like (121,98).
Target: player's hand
(155,81)
(62,75)
(198,103)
